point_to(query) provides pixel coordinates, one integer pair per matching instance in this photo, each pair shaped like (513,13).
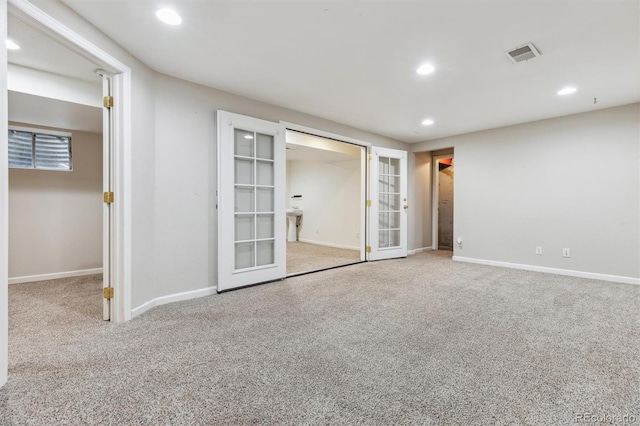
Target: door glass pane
(265,252)
(244,227)
(265,226)
(394,240)
(265,173)
(394,220)
(383,165)
(244,172)
(394,166)
(383,239)
(265,200)
(383,202)
(394,184)
(394,202)
(245,257)
(264,146)
(389,202)
(244,199)
(383,220)
(383,184)
(243,143)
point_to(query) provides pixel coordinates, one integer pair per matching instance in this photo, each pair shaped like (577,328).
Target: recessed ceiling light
(11,45)
(425,69)
(427,122)
(169,16)
(567,91)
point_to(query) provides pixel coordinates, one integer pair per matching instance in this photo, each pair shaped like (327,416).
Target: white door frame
(4,202)
(436,198)
(364,211)
(121,167)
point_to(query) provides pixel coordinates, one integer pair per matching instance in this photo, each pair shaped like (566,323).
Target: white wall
(34,82)
(55,217)
(331,201)
(566,182)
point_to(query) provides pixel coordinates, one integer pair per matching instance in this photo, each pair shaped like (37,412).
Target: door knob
(406,207)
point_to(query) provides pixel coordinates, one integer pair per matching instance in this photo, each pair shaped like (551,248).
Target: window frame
(43,132)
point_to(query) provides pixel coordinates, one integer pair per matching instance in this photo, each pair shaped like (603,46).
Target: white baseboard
(328,244)
(54,276)
(178,297)
(419,250)
(567,272)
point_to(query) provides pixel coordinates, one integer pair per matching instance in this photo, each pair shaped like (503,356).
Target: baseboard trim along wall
(419,250)
(178,297)
(567,272)
(54,276)
(328,244)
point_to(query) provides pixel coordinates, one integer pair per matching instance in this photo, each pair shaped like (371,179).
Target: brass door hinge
(108,197)
(107,101)
(368,203)
(370,156)
(107,292)
(368,249)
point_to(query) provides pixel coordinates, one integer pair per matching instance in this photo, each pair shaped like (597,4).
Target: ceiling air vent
(523,53)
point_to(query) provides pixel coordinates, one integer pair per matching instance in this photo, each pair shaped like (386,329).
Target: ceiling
(354,62)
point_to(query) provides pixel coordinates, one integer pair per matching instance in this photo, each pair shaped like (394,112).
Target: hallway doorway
(444,190)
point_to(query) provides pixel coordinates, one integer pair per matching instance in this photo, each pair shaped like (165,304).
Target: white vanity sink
(292,219)
(294,212)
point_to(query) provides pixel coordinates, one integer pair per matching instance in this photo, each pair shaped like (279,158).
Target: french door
(388,215)
(251,201)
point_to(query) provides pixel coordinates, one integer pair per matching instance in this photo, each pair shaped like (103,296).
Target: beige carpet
(304,257)
(421,340)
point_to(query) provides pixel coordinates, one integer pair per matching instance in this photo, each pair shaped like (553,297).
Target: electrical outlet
(538,250)
(566,252)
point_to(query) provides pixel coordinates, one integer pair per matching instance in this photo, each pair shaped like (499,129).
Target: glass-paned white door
(389,208)
(251,201)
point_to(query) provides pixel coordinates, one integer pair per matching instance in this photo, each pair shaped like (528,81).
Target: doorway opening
(325,195)
(55,172)
(58,65)
(443,206)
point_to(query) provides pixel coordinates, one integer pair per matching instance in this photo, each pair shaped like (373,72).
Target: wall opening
(445,173)
(325,195)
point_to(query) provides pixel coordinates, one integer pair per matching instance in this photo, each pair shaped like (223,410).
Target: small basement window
(39,149)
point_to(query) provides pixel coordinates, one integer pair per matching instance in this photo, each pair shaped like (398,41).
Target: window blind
(20,149)
(35,150)
(52,152)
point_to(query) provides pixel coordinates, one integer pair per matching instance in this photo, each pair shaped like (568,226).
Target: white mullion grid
(399,194)
(255,199)
(388,216)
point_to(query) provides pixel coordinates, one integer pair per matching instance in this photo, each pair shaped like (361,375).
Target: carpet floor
(422,340)
(304,257)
